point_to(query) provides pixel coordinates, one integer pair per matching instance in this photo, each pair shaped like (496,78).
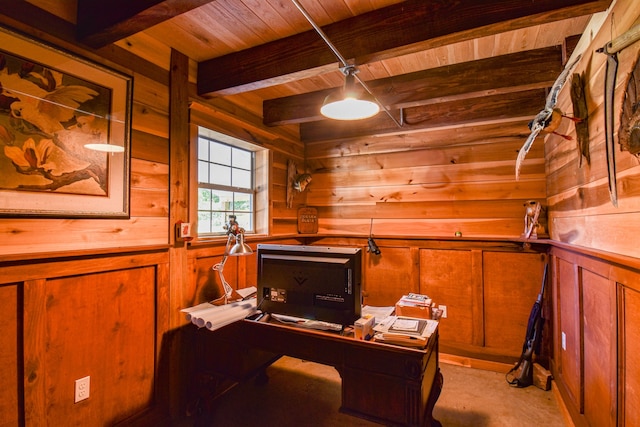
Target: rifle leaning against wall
(521,375)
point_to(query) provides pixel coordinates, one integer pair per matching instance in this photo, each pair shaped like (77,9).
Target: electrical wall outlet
(82,388)
(444,311)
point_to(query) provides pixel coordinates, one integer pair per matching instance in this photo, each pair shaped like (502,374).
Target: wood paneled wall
(10,354)
(580,211)
(487,287)
(81,298)
(595,365)
(148,224)
(92,296)
(103,317)
(410,185)
(282,219)
(596,273)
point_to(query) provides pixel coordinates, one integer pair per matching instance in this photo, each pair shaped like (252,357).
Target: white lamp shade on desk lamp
(240,248)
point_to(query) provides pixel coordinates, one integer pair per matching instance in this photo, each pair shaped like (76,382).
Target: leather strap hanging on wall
(612,49)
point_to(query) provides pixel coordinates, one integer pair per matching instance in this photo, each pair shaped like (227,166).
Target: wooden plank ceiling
(441,63)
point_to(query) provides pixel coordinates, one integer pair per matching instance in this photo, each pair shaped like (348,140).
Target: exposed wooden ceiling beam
(515,72)
(402,28)
(489,109)
(103,22)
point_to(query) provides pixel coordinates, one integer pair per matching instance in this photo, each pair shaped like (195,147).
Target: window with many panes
(226,183)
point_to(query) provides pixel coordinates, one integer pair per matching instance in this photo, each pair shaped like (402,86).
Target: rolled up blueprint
(197,316)
(230,316)
(214,317)
(190,311)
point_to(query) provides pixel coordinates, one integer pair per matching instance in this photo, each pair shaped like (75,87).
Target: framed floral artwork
(64,133)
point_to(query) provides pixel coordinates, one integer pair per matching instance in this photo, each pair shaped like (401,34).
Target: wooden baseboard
(566,415)
(470,362)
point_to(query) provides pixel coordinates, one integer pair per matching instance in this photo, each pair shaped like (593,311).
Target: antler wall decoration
(295,182)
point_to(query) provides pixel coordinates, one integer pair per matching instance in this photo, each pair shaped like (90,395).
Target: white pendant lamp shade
(347,105)
(349,108)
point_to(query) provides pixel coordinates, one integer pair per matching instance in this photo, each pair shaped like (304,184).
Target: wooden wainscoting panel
(512,282)
(99,325)
(388,276)
(569,359)
(206,280)
(10,343)
(600,362)
(630,372)
(248,270)
(35,362)
(447,276)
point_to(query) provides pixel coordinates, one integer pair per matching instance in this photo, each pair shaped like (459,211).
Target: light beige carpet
(301,393)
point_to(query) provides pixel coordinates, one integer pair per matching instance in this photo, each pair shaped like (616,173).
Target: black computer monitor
(311,282)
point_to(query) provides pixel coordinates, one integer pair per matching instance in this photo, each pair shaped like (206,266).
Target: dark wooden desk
(384,383)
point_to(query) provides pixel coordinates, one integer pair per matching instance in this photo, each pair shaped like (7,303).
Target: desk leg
(438,381)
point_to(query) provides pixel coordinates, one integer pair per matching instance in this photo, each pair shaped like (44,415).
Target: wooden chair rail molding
(356,239)
(612,258)
(468,242)
(77,254)
(538,245)
(46,269)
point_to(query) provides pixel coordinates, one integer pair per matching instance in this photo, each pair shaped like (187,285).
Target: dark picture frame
(52,104)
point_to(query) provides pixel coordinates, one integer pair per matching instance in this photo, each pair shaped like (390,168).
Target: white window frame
(260,176)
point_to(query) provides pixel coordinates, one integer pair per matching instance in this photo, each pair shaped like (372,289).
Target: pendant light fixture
(350,103)
(347,104)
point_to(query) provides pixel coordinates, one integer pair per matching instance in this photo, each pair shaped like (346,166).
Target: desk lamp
(234,233)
